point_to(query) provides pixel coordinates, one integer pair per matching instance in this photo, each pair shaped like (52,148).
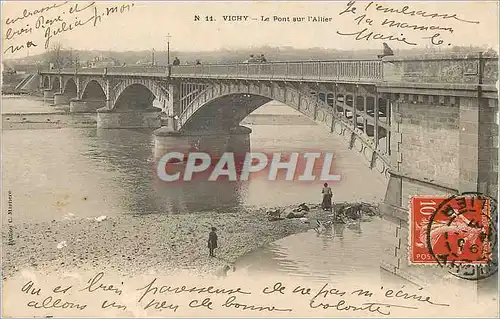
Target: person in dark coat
(387,51)
(327,197)
(212,241)
(176,61)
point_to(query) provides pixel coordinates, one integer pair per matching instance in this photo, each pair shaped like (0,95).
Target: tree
(54,56)
(60,58)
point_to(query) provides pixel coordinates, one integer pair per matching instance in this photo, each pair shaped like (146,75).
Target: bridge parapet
(346,70)
(156,71)
(464,69)
(441,70)
(149,71)
(370,71)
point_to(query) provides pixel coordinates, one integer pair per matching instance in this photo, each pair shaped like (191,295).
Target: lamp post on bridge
(168,49)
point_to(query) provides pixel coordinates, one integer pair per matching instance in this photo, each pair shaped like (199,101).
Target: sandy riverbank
(277,119)
(136,244)
(59,117)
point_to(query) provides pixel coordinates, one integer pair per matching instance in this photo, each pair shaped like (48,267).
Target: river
(88,172)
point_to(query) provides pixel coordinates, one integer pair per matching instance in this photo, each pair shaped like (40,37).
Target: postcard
(250,158)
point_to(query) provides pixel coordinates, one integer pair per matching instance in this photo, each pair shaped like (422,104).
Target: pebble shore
(133,244)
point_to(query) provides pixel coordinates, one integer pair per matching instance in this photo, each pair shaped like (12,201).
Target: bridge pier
(61,99)
(85,106)
(109,119)
(213,143)
(48,94)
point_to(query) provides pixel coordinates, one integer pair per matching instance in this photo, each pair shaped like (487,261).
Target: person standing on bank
(212,241)
(327,197)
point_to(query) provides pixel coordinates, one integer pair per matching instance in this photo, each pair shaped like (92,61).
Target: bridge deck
(469,69)
(370,71)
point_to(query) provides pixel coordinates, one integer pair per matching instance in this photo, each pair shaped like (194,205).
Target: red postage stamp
(450,230)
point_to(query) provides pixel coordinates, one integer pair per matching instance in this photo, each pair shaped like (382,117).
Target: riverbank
(277,119)
(137,244)
(59,117)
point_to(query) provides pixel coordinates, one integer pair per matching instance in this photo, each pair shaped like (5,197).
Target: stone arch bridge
(430,124)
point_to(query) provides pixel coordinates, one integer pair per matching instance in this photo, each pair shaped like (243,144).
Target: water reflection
(128,155)
(198,195)
(134,163)
(355,227)
(335,253)
(330,232)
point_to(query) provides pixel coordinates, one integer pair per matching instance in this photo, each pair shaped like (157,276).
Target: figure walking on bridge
(251,59)
(212,241)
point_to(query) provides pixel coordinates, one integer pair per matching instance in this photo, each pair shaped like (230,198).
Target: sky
(144,25)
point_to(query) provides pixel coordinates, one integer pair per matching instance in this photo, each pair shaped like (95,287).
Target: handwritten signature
(365,34)
(361,18)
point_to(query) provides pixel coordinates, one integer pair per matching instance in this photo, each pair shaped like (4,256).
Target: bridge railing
(461,69)
(117,70)
(349,70)
(138,70)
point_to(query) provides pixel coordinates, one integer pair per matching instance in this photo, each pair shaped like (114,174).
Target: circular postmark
(462,235)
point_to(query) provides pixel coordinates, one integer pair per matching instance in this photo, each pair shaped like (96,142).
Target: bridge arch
(134,97)
(56,84)
(93,90)
(224,106)
(70,88)
(145,88)
(93,81)
(93,95)
(46,82)
(224,112)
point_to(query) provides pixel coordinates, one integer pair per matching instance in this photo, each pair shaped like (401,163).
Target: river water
(330,255)
(89,172)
